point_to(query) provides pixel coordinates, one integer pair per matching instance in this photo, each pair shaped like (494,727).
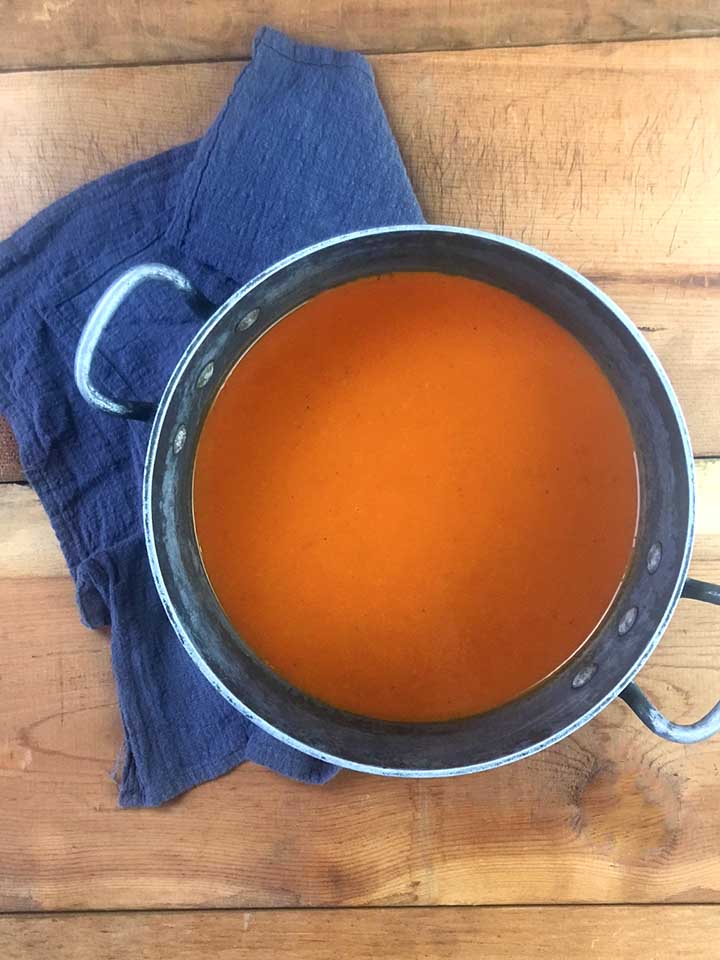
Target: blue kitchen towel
(300,152)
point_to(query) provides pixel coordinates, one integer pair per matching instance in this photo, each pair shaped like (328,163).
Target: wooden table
(514,118)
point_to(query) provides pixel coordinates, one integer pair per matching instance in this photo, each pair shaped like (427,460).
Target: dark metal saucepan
(605,666)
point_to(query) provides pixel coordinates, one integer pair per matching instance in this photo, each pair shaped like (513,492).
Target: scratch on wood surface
(685,281)
(27,736)
(639,134)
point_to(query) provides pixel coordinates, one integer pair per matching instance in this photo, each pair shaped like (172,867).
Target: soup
(416,496)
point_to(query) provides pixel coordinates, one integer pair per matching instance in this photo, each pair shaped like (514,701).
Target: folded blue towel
(300,152)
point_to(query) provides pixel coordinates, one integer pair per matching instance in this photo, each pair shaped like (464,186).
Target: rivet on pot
(654,557)
(583,675)
(248,320)
(205,375)
(180,438)
(627,621)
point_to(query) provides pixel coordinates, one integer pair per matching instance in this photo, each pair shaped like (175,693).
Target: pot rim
(151,464)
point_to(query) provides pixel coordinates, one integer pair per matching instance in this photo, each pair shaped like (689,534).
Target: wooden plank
(40,33)
(28,547)
(499,933)
(707,485)
(611,814)
(606,155)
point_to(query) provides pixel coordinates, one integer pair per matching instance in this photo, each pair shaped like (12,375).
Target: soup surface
(416,496)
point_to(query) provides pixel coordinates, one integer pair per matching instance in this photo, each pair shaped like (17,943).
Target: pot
(604,667)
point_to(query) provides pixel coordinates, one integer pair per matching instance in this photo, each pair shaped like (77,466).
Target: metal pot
(604,667)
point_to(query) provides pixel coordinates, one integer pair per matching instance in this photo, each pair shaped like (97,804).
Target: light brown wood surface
(27,547)
(39,33)
(612,814)
(551,933)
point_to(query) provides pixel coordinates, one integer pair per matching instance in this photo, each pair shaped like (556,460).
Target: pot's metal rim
(186,639)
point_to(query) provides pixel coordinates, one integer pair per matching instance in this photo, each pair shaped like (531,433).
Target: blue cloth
(300,152)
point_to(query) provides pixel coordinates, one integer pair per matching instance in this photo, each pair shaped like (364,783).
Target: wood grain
(607,156)
(40,33)
(612,814)
(555,933)
(28,547)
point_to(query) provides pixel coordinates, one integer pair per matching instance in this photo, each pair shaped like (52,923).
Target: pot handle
(103,312)
(651,716)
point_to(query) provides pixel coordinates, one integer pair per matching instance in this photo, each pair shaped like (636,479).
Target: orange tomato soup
(416,496)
